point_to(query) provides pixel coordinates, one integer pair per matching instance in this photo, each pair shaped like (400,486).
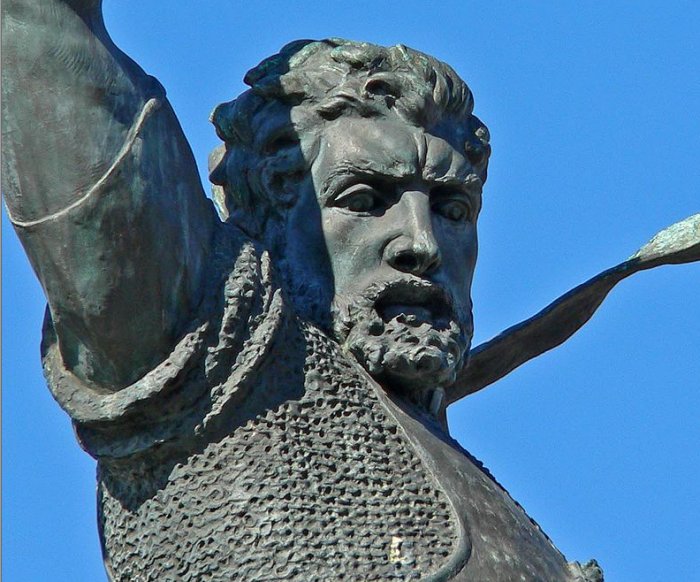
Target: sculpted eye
(359,198)
(360,202)
(455,210)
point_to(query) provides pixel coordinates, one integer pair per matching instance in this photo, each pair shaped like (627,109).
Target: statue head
(361,168)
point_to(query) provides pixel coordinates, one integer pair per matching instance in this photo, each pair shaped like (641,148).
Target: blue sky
(594,112)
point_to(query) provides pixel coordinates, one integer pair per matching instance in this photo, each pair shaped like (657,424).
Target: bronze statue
(265,390)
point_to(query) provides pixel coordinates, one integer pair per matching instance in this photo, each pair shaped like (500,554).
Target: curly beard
(405,333)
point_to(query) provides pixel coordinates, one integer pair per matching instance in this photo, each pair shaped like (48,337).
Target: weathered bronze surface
(265,389)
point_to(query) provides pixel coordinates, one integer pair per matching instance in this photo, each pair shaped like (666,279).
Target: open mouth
(413,303)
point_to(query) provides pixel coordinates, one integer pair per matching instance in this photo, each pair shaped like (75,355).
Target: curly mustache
(411,291)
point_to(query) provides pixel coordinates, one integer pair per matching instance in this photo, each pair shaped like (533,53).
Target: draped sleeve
(212,366)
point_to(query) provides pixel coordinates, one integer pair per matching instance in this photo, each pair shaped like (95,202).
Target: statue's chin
(411,367)
(405,333)
(408,358)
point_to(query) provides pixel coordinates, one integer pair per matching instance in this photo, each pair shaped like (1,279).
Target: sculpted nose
(415,250)
(414,260)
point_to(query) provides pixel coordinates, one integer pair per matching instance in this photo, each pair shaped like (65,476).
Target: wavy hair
(257,170)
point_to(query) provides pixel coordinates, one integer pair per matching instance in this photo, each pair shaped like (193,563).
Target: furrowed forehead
(389,150)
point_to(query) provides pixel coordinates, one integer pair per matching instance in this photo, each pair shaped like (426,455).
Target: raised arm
(102,188)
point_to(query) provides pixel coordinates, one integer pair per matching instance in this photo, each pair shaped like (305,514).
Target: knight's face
(395,211)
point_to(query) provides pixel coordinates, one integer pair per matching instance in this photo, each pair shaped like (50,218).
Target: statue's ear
(281,170)
(491,361)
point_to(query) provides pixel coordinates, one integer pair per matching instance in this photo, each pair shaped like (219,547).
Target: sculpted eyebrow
(461,173)
(469,183)
(347,174)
